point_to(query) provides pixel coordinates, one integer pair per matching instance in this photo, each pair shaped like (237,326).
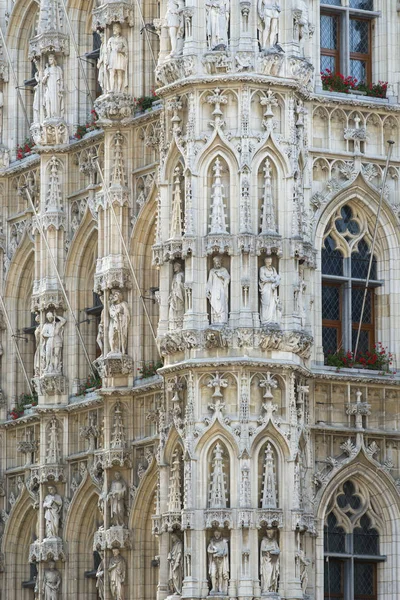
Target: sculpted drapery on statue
(269,563)
(53,337)
(217,292)
(51,582)
(174,22)
(218,563)
(177,297)
(268,19)
(52,505)
(101,65)
(269,283)
(175,559)
(100,579)
(217,15)
(119,322)
(116,498)
(116,575)
(117,61)
(53,85)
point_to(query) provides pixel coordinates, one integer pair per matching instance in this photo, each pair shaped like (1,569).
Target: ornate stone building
(198,258)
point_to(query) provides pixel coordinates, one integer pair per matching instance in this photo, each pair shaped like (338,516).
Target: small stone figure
(174,22)
(101,65)
(53,82)
(217,292)
(175,559)
(100,333)
(53,336)
(37,93)
(268,16)
(116,575)
(52,514)
(304,563)
(217,23)
(36,360)
(100,579)
(119,321)
(117,61)
(51,582)
(299,292)
(269,283)
(116,498)
(177,298)
(269,563)
(218,564)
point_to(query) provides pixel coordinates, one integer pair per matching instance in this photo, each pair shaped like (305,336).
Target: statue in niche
(38,338)
(119,322)
(100,579)
(175,559)
(52,505)
(51,582)
(53,83)
(116,575)
(37,93)
(177,297)
(269,282)
(303,564)
(100,333)
(117,497)
(217,23)
(299,292)
(218,564)
(116,61)
(269,563)
(217,292)
(53,338)
(174,22)
(268,19)
(102,77)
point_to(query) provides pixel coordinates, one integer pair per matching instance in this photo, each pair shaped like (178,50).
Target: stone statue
(100,333)
(52,505)
(269,283)
(53,83)
(217,292)
(299,292)
(217,23)
(175,559)
(100,579)
(53,336)
(116,497)
(177,298)
(174,22)
(304,563)
(116,575)
(117,61)
(218,564)
(37,93)
(268,19)
(1,114)
(101,65)
(36,360)
(269,563)
(119,321)
(51,582)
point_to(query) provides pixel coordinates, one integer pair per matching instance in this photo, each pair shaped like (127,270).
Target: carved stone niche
(49,42)
(117,537)
(303,521)
(218,518)
(44,300)
(303,251)
(111,272)
(112,11)
(111,366)
(113,107)
(269,244)
(175,69)
(51,385)
(49,549)
(53,132)
(269,517)
(51,473)
(171,521)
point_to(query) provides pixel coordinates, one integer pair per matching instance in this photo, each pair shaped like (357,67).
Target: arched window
(345,261)
(351,546)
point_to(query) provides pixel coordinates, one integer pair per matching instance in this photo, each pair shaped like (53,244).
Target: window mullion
(347,313)
(345,38)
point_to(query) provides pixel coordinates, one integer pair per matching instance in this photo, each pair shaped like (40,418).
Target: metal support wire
(53,262)
(14,339)
(77,51)
(95,160)
(371,257)
(17,87)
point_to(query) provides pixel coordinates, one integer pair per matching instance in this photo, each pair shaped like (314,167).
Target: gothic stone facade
(224,233)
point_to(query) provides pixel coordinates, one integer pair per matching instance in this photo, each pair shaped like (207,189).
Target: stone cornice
(344,375)
(229,362)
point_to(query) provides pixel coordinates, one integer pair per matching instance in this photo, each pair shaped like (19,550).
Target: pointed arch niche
(267,477)
(218,476)
(267,197)
(218,196)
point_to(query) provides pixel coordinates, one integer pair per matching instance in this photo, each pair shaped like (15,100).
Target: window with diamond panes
(351,556)
(344,272)
(346,38)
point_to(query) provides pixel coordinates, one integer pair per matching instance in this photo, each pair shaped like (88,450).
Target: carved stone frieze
(48,549)
(218,244)
(218,518)
(48,473)
(112,11)
(113,107)
(269,517)
(269,244)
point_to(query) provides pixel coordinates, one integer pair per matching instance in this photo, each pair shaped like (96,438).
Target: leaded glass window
(345,261)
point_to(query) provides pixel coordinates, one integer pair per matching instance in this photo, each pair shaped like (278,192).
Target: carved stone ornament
(52,385)
(175,69)
(114,107)
(111,272)
(49,549)
(54,132)
(111,366)
(112,11)
(48,42)
(115,537)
